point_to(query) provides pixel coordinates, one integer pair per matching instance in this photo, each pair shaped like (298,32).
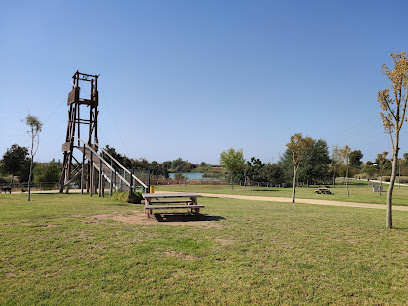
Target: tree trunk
(391,187)
(232,186)
(348,193)
(379,189)
(334,181)
(294,185)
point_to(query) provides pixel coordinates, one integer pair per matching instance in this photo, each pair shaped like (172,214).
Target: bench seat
(170,201)
(150,208)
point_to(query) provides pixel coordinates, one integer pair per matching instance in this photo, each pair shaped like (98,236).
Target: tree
(393,114)
(35,126)
(336,160)
(355,158)
(16,163)
(233,161)
(381,159)
(273,173)
(298,146)
(316,162)
(345,154)
(47,172)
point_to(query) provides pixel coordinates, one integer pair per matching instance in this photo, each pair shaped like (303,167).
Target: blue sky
(190,79)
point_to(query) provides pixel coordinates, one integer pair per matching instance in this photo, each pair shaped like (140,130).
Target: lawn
(68,249)
(359,192)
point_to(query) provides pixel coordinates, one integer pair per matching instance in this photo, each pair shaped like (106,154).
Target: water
(190,176)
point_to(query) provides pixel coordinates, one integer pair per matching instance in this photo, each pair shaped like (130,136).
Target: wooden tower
(80,121)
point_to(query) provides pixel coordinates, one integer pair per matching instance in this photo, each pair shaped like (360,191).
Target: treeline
(320,166)
(15,164)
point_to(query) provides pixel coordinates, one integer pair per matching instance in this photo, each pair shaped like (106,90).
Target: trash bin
(151,189)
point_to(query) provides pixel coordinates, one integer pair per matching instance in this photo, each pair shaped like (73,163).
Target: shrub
(135,198)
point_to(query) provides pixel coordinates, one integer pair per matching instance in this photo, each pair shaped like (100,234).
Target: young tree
(233,161)
(35,126)
(345,154)
(393,115)
(298,146)
(336,160)
(381,158)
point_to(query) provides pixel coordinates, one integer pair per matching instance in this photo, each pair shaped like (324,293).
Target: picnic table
(154,201)
(323,190)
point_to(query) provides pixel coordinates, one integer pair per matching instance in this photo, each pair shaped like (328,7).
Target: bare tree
(35,127)
(393,114)
(335,162)
(345,154)
(299,147)
(381,158)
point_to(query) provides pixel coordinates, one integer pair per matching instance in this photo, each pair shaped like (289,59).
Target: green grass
(359,192)
(52,251)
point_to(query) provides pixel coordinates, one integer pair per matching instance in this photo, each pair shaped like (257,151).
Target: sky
(191,79)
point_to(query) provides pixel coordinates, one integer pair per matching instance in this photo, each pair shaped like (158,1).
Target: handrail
(120,165)
(100,157)
(109,166)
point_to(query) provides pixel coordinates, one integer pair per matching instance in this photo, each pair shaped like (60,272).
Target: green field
(68,249)
(359,192)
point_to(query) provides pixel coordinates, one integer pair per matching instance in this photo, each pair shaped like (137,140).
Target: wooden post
(82,172)
(100,178)
(91,176)
(148,181)
(114,179)
(111,183)
(131,183)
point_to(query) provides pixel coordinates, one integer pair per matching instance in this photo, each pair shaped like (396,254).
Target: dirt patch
(168,219)
(224,241)
(179,255)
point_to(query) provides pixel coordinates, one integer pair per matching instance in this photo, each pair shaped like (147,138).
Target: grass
(54,251)
(359,192)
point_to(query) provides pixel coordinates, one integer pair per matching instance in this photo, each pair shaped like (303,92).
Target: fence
(23,187)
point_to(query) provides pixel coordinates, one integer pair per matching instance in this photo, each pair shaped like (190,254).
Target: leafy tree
(273,173)
(381,159)
(34,128)
(369,170)
(16,162)
(47,172)
(316,162)
(254,170)
(355,158)
(393,114)
(345,154)
(298,146)
(233,161)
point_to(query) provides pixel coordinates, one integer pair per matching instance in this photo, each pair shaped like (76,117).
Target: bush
(135,198)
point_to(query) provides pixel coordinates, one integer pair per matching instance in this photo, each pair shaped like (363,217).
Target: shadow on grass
(185,217)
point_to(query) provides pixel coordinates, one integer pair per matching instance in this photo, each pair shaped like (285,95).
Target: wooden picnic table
(323,190)
(156,200)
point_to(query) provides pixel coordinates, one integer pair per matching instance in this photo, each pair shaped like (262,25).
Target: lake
(190,176)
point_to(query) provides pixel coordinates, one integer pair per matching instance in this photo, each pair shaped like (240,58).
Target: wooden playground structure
(86,158)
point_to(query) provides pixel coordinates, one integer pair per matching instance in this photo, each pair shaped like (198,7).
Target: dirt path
(274,199)
(303,201)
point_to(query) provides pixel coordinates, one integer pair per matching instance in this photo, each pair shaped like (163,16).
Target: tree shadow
(185,217)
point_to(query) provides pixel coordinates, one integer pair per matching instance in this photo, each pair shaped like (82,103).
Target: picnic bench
(323,190)
(154,201)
